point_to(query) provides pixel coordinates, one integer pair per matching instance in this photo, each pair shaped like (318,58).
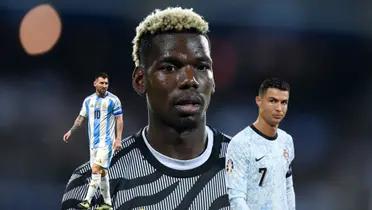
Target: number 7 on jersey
(263,171)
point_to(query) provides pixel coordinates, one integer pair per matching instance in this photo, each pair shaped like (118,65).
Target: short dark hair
(273,83)
(101,74)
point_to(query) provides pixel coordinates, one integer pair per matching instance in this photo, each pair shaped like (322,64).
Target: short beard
(102,92)
(187,124)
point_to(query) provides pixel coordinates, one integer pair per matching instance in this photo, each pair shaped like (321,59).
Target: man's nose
(189,78)
(278,107)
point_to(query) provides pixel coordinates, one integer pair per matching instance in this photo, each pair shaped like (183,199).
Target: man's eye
(168,68)
(203,68)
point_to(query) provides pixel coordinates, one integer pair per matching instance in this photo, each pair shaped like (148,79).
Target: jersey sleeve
(237,164)
(292,151)
(76,187)
(289,180)
(84,109)
(290,194)
(117,107)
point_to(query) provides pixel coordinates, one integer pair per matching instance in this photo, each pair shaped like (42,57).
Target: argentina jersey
(101,112)
(258,171)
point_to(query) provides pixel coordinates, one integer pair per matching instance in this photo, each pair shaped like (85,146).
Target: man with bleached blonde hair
(176,161)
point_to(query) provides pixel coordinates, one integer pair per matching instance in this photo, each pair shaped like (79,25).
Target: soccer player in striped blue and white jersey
(258,159)
(103,111)
(175,161)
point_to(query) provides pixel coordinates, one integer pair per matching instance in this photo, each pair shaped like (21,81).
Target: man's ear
(213,87)
(211,76)
(138,80)
(258,101)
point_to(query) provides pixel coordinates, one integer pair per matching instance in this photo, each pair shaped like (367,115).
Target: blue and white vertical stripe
(101,113)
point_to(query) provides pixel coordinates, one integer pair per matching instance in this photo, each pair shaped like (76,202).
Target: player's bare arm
(119,130)
(77,124)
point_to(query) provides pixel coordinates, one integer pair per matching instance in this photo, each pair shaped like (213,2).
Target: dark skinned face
(177,79)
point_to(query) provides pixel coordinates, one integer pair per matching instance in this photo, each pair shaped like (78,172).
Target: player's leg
(94,182)
(105,155)
(105,187)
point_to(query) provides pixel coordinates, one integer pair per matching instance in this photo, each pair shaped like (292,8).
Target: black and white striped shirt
(139,181)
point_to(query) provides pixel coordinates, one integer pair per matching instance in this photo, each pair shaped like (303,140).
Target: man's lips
(278,116)
(188,108)
(188,104)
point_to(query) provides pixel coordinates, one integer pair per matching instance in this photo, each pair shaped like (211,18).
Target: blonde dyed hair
(169,19)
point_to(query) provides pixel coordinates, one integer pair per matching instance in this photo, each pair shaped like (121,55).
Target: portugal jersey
(101,112)
(139,179)
(258,171)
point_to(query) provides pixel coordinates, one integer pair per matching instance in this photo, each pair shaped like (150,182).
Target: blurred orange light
(40,29)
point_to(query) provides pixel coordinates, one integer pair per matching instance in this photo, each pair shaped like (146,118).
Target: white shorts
(101,156)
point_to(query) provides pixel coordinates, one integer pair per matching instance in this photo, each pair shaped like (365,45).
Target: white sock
(93,185)
(105,189)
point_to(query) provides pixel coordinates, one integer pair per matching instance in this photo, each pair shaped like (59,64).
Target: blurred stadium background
(323,48)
